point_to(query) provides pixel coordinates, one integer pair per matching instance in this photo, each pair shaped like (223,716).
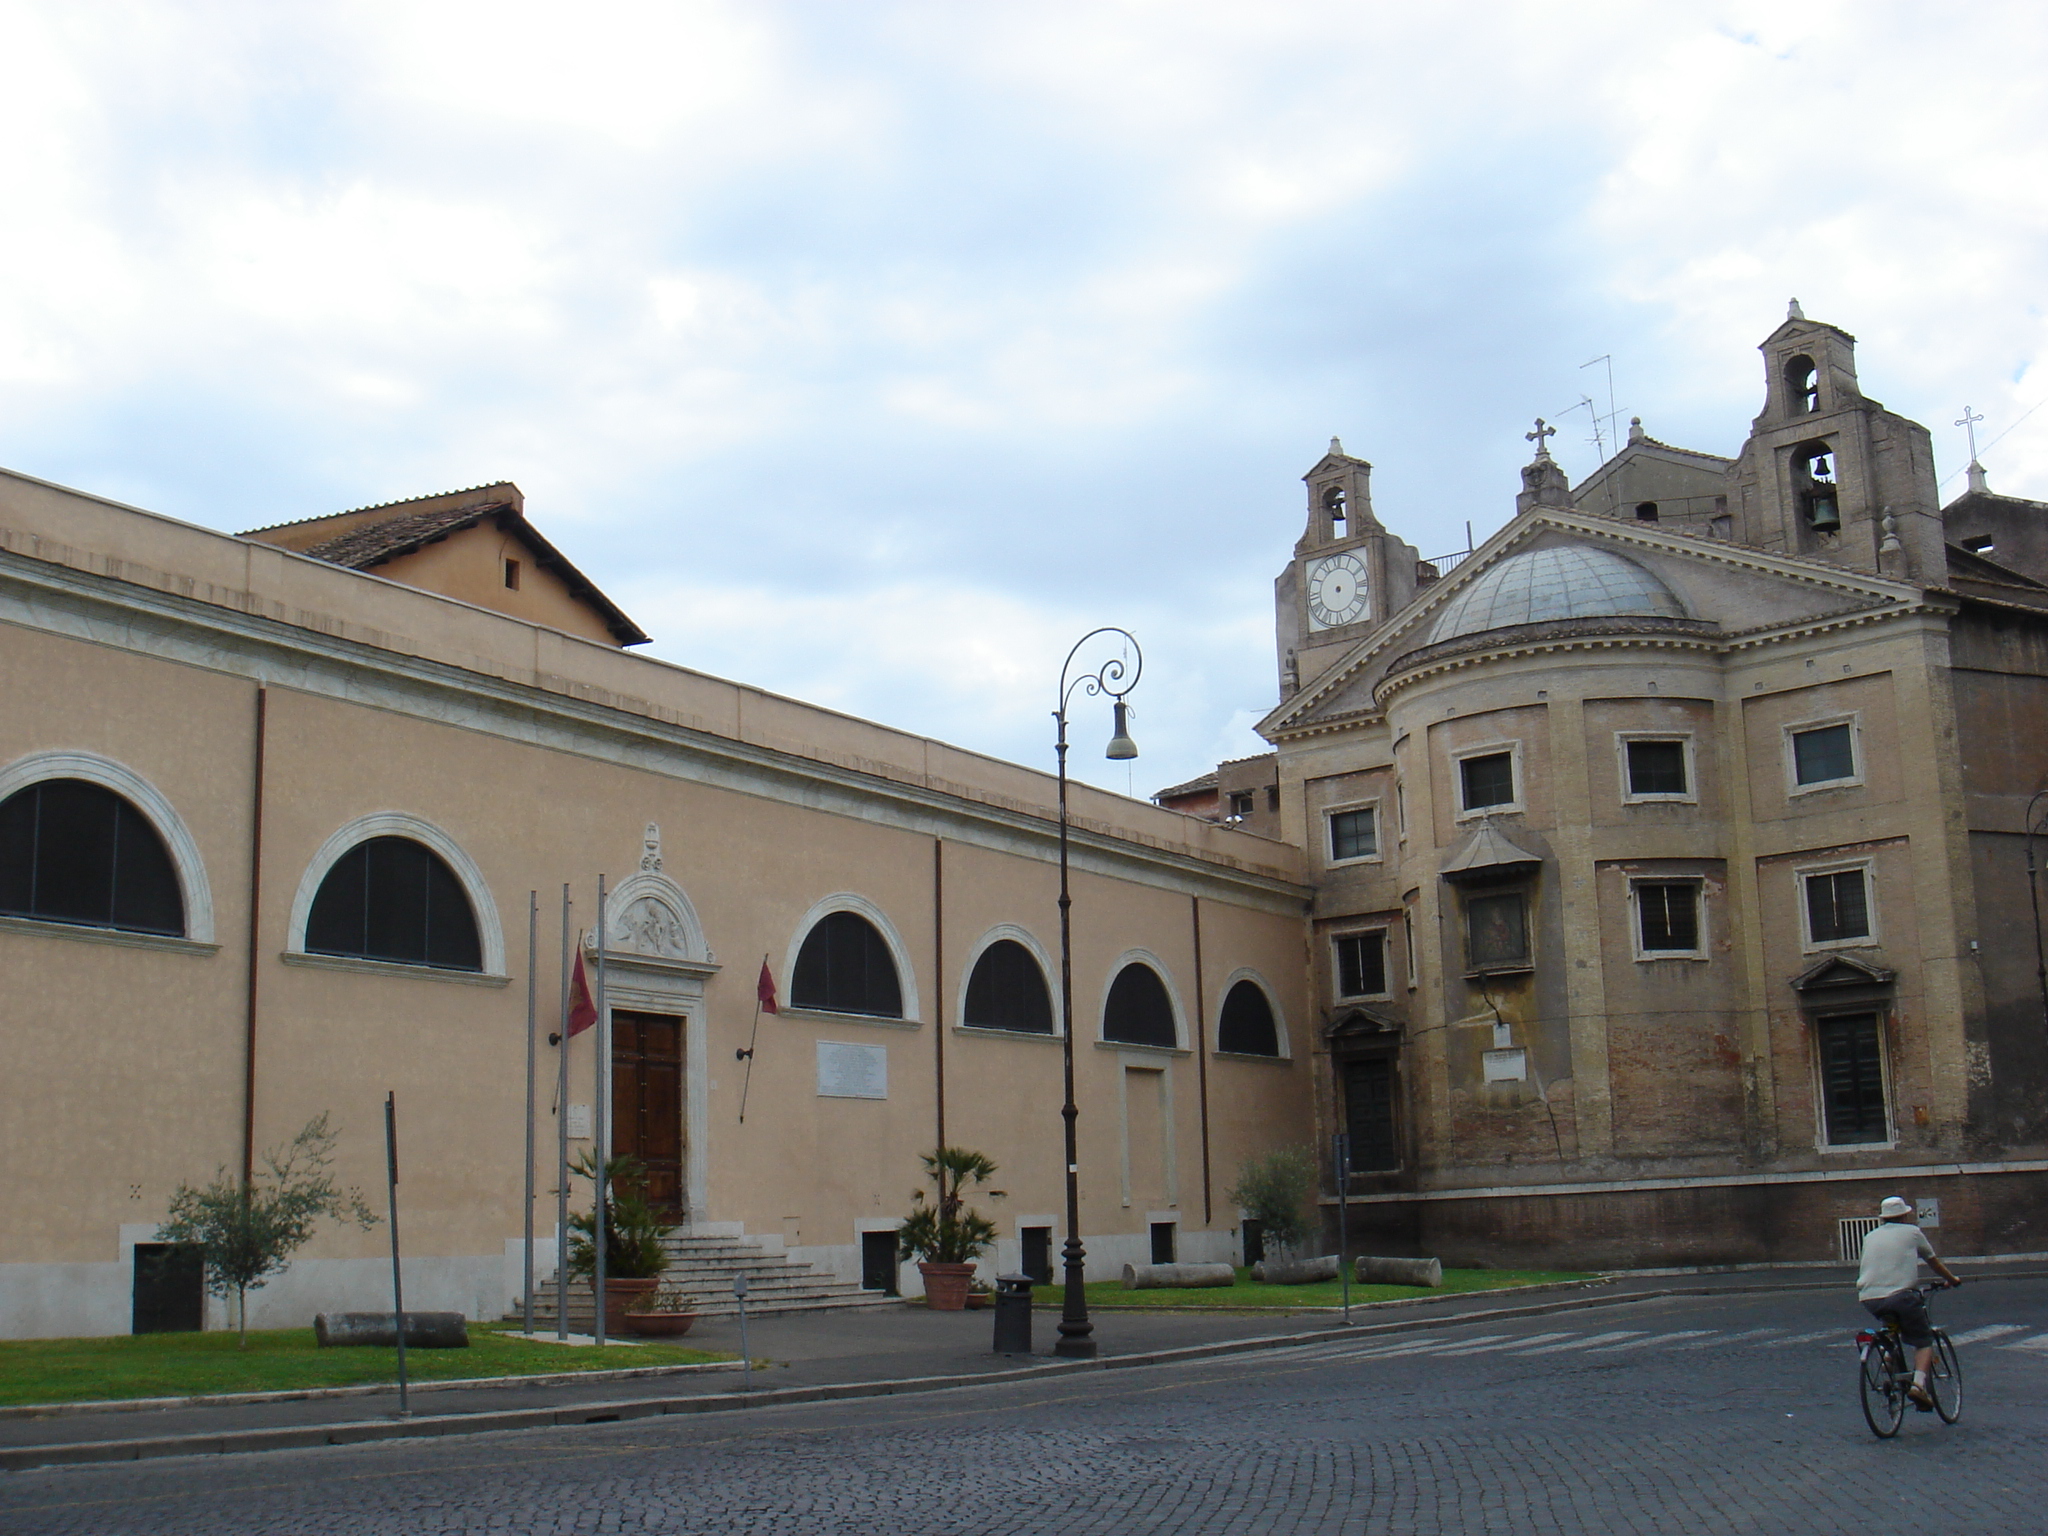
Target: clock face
(1336,591)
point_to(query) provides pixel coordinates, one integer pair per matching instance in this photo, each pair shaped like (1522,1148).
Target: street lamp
(1115,677)
(2034,827)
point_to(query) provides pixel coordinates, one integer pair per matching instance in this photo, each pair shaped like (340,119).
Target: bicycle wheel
(1946,1380)
(1884,1400)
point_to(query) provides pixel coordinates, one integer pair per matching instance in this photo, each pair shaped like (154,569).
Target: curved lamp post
(2036,820)
(1115,677)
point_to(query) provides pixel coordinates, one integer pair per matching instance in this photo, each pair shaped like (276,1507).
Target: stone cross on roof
(1968,422)
(1537,437)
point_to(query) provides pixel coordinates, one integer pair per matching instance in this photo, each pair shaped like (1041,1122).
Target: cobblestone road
(1675,1416)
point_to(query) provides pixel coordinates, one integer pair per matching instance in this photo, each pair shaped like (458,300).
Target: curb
(300,1437)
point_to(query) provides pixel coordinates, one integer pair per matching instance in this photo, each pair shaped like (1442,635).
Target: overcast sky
(873,352)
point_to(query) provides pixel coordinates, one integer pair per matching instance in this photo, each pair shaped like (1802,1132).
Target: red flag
(765,990)
(582,1011)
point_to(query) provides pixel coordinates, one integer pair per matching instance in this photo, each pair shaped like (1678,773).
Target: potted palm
(633,1255)
(944,1236)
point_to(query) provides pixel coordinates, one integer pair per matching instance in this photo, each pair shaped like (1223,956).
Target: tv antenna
(1608,420)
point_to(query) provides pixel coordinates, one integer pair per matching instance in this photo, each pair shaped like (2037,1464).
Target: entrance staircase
(704,1267)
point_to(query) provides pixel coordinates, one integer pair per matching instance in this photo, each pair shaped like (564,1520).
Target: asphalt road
(1695,1415)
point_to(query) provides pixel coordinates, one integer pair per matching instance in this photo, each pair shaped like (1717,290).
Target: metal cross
(1537,437)
(1969,424)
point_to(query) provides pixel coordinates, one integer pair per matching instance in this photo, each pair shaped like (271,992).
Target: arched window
(1007,991)
(391,898)
(1138,1011)
(74,852)
(1247,1027)
(1646,511)
(1335,510)
(1802,385)
(1813,473)
(845,967)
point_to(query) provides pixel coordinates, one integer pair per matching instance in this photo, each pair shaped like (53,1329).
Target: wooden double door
(647,1103)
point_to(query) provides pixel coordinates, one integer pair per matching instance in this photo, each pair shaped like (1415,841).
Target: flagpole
(762,990)
(601,1136)
(532,1052)
(562,1143)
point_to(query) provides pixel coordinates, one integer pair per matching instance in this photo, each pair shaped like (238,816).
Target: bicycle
(1883,1374)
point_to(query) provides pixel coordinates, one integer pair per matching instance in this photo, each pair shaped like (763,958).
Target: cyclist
(1891,1264)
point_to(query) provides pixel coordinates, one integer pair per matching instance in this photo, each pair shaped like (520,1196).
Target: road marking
(2038,1343)
(1733,1338)
(1416,1347)
(1652,1341)
(1585,1343)
(1842,1334)
(1469,1347)
(1991,1331)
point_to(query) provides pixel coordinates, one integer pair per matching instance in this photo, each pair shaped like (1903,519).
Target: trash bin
(1013,1314)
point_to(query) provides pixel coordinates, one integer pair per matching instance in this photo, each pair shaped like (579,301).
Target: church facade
(286,821)
(1671,898)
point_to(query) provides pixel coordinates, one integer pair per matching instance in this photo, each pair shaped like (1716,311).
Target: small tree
(947,1232)
(1274,1189)
(633,1235)
(247,1232)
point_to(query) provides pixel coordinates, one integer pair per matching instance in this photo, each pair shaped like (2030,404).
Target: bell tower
(1831,474)
(1348,573)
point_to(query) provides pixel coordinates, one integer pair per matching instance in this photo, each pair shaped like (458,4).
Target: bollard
(1013,1315)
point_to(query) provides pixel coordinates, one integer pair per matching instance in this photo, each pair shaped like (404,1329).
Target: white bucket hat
(1894,1206)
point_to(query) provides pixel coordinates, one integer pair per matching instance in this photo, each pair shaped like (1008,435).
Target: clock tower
(1348,573)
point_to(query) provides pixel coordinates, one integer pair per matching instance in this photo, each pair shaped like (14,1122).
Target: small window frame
(1853,720)
(1701,942)
(1348,807)
(1361,931)
(1690,795)
(1513,807)
(1867,867)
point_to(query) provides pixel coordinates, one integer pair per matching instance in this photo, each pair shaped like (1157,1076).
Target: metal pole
(600,1133)
(562,1142)
(1076,1331)
(2034,894)
(532,1065)
(739,1293)
(1341,1149)
(397,1281)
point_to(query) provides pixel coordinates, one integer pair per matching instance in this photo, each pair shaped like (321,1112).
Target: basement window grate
(1853,1229)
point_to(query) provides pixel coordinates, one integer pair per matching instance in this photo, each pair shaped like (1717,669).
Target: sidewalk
(820,1355)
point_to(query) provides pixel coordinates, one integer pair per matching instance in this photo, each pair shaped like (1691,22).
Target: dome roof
(1566,581)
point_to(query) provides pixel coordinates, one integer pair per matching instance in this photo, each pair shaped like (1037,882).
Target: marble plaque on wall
(852,1071)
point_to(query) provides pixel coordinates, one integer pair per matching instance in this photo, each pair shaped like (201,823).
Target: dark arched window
(1008,991)
(1646,512)
(73,852)
(1247,1026)
(1138,1011)
(1335,509)
(845,967)
(1802,385)
(394,899)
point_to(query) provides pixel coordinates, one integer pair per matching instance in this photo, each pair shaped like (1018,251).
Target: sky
(873,353)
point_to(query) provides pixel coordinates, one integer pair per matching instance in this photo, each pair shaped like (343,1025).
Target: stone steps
(704,1267)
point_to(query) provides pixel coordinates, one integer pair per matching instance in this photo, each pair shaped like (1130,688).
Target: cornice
(41,595)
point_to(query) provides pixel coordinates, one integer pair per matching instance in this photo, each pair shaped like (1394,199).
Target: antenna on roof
(1608,419)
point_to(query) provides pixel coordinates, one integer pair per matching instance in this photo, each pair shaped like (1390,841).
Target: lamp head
(1121,747)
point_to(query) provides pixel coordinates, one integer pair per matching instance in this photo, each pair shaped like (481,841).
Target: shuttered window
(1852,1079)
(74,852)
(1668,917)
(1837,906)
(1007,991)
(845,967)
(394,899)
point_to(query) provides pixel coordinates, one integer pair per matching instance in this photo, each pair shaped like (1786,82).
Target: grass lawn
(1327,1293)
(285,1359)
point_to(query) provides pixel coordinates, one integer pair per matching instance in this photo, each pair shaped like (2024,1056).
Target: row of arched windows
(77,852)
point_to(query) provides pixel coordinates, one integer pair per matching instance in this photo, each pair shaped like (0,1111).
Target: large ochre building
(1671,899)
(274,810)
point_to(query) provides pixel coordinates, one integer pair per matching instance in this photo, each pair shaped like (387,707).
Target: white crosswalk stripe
(1585,1343)
(1990,1331)
(1420,1346)
(2037,1344)
(1656,1340)
(1843,1334)
(1473,1347)
(1747,1336)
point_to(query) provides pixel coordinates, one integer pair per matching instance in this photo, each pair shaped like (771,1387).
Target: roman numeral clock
(1337,590)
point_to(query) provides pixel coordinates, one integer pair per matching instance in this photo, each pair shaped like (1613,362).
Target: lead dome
(1565,582)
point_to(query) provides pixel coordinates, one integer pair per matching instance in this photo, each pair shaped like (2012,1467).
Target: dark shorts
(1909,1309)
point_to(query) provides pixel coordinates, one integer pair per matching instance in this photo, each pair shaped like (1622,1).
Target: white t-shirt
(1891,1259)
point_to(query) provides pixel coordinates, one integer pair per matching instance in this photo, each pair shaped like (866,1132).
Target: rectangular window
(1823,756)
(1852,1080)
(1240,803)
(1668,917)
(1353,835)
(1163,1242)
(1272,797)
(1837,907)
(1488,780)
(1496,930)
(1361,964)
(512,575)
(1657,768)
(1369,1114)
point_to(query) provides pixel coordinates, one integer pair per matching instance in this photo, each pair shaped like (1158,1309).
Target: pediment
(1838,971)
(1335,463)
(651,916)
(1727,589)
(1358,1023)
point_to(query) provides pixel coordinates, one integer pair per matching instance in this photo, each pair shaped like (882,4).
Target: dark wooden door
(647,1102)
(170,1288)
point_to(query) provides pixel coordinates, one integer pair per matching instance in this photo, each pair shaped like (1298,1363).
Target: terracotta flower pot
(660,1325)
(945,1285)
(618,1295)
